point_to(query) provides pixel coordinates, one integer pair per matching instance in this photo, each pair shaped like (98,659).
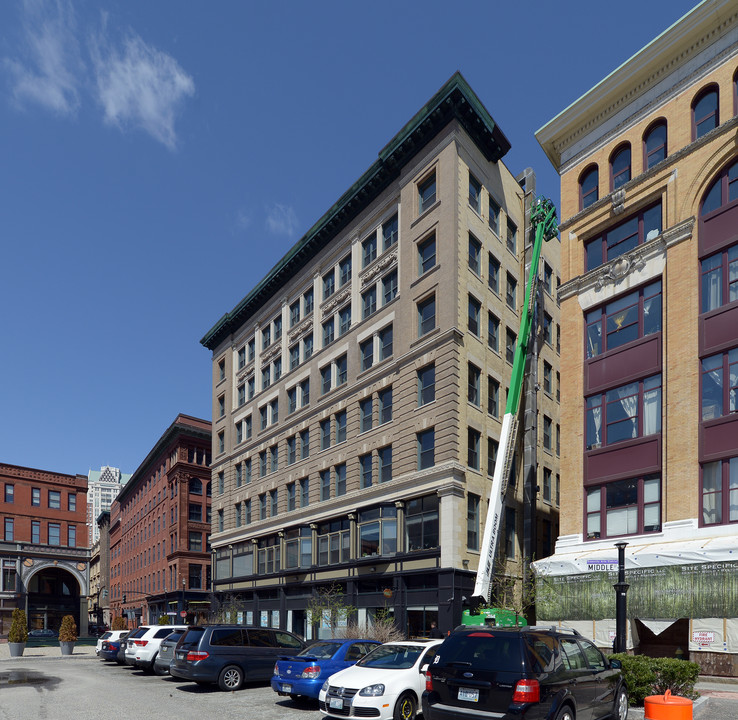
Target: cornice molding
(380,265)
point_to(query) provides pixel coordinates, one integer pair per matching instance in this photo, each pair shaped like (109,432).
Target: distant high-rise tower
(103,487)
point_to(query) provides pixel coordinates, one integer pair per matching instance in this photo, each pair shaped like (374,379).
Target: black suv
(536,673)
(230,654)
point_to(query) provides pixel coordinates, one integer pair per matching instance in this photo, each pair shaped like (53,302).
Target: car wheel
(405,707)
(621,705)
(566,713)
(230,678)
(159,669)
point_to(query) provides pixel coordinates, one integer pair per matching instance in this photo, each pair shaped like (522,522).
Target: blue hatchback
(304,674)
(110,648)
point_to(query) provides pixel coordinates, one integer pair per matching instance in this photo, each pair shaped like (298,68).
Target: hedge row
(645,676)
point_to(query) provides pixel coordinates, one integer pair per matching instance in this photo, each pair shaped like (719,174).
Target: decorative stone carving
(330,305)
(618,202)
(300,329)
(270,353)
(385,262)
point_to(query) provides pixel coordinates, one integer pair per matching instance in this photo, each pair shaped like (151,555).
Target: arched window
(705,115)
(654,144)
(195,486)
(620,166)
(724,189)
(589,187)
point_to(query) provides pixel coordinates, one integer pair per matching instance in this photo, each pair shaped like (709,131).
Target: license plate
(336,703)
(286,688)
(468,694)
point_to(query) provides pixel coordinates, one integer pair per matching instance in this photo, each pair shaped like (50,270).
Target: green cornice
(455,100)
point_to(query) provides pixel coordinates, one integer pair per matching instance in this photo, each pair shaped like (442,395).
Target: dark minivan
(231,654)
(529,672)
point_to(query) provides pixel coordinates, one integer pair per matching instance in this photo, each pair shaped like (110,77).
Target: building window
(426,315)
(511,295)
(54,534)
(277,327)
(473,320)
(291,400)
(620,166)
(705,115)
(251,385)
(426,193)
(366,411)
(510,339)
(493,332)
(291,497)
(720,397)
(304,492)
(426,385)
(266,377)
(624,507)
(384,456)
(54,500)
(589,187)
(305,393)
(475,194)
(238,512)
(307,299)
(325,484)
(221,369)
(421,523)
(36,497)
(325,434)
(341,370)
(334,542)
(492,447)
(277,369)
(262,463)
(547,378)
(247,512)
(654,144)
(474,391)
(472,453)
(366,478)
(494,216)
(472,521)
(547,329)
(326,374)
(389,287)
(385,405)
(36,532)
(195,541)
(548,278)
(366,351)
(329,332)
(547,436)
(369,302)
(195,512)
(623,413)
(426,255)
(266,337)
(386,337)
(273,458)
(329,284)
(10,530)
(378,531)
(340,472)
(625,236)
(221,483)
(426,442)
(369,249)
(304,444)
(475,255)
(251,346)
(720,277)
(273,503)
(239,475)
(510,534)
(294,313)
(241,394)
(493,273)
(262,506)
(512,236)
(340,427)
(239,433)
(493,397)
(344,271)
(630,317)
(719,499)
(9,493)
(292,450)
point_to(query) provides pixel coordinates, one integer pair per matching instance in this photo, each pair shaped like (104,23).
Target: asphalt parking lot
(55,688)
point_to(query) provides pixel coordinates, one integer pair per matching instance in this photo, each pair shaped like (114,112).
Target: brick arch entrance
(52,592)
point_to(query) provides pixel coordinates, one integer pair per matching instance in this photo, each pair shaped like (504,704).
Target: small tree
(119,623)
(164,620)
(329,607)
(225,610)
(18,627)
(68,629)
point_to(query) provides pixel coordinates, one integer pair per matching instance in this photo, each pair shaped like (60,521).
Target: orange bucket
(667,707)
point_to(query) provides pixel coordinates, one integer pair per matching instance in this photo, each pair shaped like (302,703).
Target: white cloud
(243,219)
(140,86)
(50,65)
(281,220)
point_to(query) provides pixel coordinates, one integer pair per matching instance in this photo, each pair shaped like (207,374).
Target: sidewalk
(52,651)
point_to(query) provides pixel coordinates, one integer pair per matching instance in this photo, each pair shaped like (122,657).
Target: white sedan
(386,684)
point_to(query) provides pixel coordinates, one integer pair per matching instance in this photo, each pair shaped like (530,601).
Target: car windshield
(392,657)
(321,650)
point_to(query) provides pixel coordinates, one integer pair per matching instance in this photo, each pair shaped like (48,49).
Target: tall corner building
(358,389)
(649,305)
(102,488)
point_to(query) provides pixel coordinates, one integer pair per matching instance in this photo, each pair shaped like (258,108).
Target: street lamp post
(184,584)
(621,593)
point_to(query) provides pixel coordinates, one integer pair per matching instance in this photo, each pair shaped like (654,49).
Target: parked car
(386,684)
(230,654)
(108,635)
(528,672)
(130,647)
(43,634)
(143,649)
(166,652)
(111,648)
(305,673)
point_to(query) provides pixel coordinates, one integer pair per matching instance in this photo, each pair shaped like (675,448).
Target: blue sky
(157,158)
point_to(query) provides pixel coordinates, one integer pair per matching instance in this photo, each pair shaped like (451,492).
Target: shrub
(68,629)
(119,623)
(163,620)
(18,627)
(645,676)
(382,629)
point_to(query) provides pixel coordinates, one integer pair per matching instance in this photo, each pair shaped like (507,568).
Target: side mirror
(616,664)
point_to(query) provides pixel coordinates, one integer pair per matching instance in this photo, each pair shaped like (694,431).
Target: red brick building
(160,529)
(44,560)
